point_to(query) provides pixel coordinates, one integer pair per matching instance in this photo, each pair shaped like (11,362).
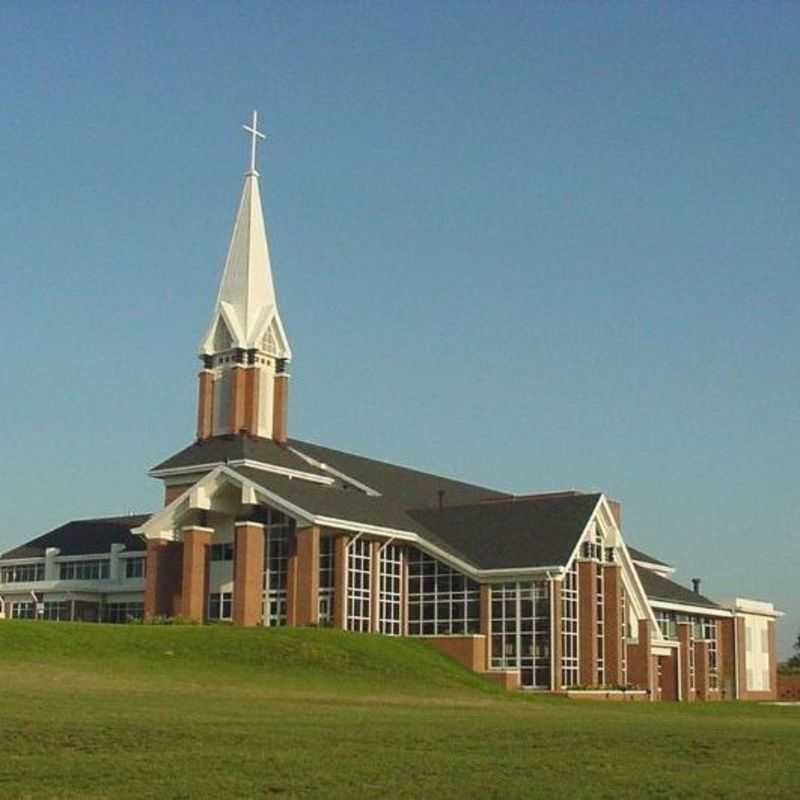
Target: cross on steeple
(256,135)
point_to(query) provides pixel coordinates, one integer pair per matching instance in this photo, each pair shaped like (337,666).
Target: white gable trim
(687,608)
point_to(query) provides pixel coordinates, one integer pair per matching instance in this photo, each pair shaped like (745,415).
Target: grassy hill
(95,711)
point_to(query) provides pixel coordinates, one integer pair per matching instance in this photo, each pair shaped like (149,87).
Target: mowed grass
(95,711)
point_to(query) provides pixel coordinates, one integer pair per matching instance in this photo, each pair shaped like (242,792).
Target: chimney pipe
(696,585)
(441,499)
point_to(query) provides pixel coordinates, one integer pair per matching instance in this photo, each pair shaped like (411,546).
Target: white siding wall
(757,661)
(266,399)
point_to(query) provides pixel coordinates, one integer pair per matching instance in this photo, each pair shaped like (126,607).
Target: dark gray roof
(658,588)
(513,533)
(84,536)
(410,488)
(638,555)
(220,449)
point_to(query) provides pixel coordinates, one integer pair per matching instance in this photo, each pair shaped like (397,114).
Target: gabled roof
(235,447)
(658,588)
(513,533)
(84,536)
(638,555)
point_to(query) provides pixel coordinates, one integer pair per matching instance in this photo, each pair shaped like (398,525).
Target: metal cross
(256,135)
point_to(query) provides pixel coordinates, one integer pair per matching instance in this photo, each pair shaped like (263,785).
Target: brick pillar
(555,635)
(701,669)
(280,408)
(248,573)
(205,403)
(669,676)
(375,587)
(640,669)
(252,387)
(684,637)
(238,380)
(195,572)
(486,621)
(727,657)
(587,622)
(612,623)
(162,587)
(340,582)
(741,658)
(307,582)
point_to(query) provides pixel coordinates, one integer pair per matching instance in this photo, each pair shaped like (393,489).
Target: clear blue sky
(531,245)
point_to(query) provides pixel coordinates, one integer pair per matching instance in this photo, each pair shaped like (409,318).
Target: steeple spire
(243,386)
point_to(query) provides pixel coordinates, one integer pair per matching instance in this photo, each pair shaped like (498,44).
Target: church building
(537,591)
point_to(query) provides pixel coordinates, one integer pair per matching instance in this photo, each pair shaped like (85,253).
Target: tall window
(22,573)
(327,578)
(134,567)
(710,635)
(123,612)
(600,625)
(23,609)
(97,569)
(220,606)
(58,611)
(279,529)
(390,589)
(569,627)
(441,601)
(623,615)
(358,585)
(521,631)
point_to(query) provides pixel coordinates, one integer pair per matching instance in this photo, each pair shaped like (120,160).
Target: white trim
(653,567)
(686,608)
(327,468)
(201,528)
(242,523)
(242,462)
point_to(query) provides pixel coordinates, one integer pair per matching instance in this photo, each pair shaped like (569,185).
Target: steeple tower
(243,386)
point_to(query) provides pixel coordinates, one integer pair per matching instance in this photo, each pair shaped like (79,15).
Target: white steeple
(246,313)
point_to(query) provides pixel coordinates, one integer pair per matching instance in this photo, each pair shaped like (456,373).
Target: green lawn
(94,711)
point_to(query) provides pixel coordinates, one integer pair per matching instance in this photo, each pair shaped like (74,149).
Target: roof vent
(696,585)
(440,493)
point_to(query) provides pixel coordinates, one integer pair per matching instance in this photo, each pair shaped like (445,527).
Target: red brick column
(612,623)
(238,380)
(587,622)
(404,592)
(340,582)
(280,408)
(727,657)
(486,620)
(252,387)
(248,573)
(374,587)
(555,635)
(205,403)
(669,676)
(162,588)
(701,670)
(195,572)
(684,637)
(307,599)
(640,668)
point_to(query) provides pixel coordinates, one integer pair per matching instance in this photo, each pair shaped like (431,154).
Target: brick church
(539,592)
